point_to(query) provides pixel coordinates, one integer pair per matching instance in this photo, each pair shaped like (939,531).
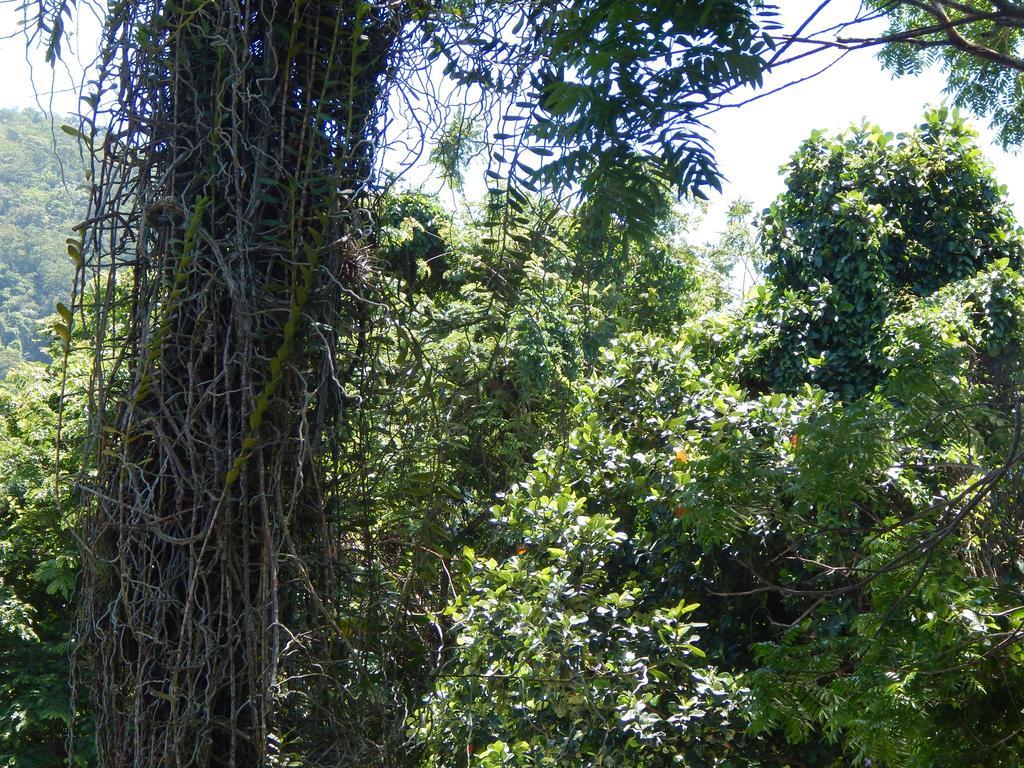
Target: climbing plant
(232,146)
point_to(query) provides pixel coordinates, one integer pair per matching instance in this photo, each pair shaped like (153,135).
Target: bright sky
(25,76)
(752,142)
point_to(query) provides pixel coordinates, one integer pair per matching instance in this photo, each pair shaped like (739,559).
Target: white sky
(751,142)
(22,77)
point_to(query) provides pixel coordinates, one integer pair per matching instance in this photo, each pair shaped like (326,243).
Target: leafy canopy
(858,594)
(867,221)
(604,97)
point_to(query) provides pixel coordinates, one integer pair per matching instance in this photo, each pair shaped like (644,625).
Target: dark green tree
(39,564)
(868,221)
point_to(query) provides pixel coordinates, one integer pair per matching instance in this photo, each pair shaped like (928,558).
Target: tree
(470,376)
(867,219)
(980,46)
(225,249)
(38,563)
(854,556)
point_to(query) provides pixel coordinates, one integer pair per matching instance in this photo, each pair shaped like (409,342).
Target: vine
(225,235)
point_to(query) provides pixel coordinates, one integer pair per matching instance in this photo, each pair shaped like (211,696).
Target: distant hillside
(41,198)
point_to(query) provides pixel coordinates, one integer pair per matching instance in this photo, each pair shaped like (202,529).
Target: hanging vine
(225,248)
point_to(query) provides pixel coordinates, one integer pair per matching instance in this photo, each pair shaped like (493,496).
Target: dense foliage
(855,560)
(235,153)
(692,560)
(868,222)
(474,366)
(38,562)
(327,475)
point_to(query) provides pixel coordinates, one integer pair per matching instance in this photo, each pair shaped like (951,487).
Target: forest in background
(319,473)
(41,199)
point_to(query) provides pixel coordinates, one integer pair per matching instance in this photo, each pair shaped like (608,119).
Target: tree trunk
(226,221)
